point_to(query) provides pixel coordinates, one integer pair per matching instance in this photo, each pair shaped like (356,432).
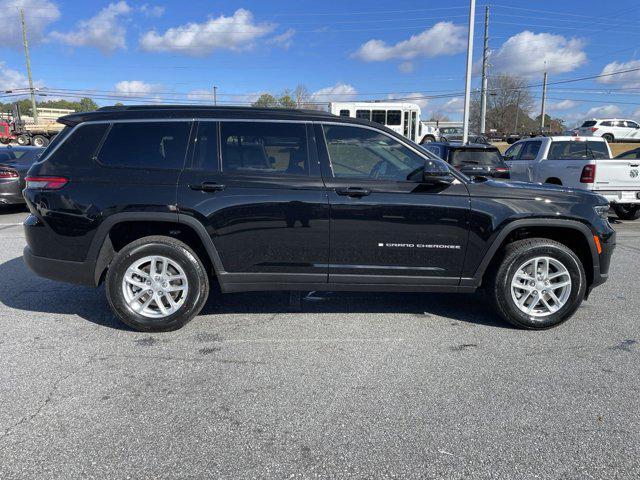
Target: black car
(14,164)
(472,158)
(456,134)
(159,202)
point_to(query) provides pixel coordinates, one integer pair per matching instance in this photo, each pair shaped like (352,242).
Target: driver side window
(361,153)
(513,152)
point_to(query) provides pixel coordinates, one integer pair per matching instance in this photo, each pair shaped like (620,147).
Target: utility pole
(485,55)
(215,95)
(467,86)
(544,98)
(26,54)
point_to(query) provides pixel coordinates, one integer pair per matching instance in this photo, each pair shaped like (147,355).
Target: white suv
(611,129)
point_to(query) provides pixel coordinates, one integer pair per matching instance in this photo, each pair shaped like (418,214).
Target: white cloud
(136,88)
(406,67)
(526,53)
(636,114)
(444,38)
(104,31)
(455,105)
(206,96)
(562,105)
(284,39)
(337,93)
(153,11)
(604,111)
(416,98)
(11,79)
(628,78)
(38,15)
(238,32)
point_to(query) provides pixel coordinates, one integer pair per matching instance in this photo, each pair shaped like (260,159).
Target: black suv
(471,158)
(159,202)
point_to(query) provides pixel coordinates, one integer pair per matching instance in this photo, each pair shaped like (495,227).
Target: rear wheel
(24,140)
(40,141)
(157,284)
(553,181)
(427,139)
(539,283)
(627,212)
(608,137)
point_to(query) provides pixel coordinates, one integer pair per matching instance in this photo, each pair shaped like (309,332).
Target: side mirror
(435,173)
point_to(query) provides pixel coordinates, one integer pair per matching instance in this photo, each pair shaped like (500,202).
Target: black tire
(176,251)
(513,256)
(428,139)
(608,137)
(553,181)
(5,141)
(24,140)
(627,212)
(444,140)
(40,141)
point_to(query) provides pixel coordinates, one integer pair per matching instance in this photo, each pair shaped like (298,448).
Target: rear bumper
(10,193)
(81,273)
(620,196)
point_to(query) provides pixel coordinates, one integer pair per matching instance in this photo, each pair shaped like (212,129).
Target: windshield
(568,150)
(478,156)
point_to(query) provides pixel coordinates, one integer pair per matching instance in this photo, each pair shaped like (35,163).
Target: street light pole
(215,95)
(515,127)
(467,87)
(485,55)
(28,59)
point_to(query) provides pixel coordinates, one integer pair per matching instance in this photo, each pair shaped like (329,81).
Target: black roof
(200,111)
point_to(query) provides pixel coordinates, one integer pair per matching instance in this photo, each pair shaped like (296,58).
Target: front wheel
(627,212)
(157,284)
(539,283)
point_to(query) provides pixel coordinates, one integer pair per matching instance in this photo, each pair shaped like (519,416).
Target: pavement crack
(49,397)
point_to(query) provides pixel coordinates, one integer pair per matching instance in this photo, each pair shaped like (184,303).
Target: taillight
(588,174)
(501,169)
(593,129)
(46,183)
(8,173)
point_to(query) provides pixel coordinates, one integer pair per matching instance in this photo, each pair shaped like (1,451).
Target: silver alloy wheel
(155,287)
(541,286)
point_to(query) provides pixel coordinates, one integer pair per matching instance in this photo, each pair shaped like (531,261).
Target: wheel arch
(573,234)
(121,229)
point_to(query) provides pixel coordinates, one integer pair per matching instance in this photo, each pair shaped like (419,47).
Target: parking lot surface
(351,386)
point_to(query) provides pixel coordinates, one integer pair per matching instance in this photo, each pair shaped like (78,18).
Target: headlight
(602,211)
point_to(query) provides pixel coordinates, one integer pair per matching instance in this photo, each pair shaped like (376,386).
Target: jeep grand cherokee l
(159,202)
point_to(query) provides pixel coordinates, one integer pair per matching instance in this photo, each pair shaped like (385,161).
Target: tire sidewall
(578,286)
(196,295)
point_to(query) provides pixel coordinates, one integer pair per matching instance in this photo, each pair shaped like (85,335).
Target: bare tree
(301,96)
(508,99)
(438,116)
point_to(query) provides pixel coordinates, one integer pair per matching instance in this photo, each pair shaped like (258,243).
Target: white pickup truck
(578,162)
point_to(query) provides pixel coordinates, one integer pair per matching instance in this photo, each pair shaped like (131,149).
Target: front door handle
(353,192)
(208,187)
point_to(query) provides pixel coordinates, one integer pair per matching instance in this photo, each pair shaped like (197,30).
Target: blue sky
(176,51)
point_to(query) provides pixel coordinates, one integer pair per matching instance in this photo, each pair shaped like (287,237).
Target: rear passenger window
(379,116)
(345,113)
(146,145)
(205,156)
(263,148)
(364,114)
(394,117)
(80,146)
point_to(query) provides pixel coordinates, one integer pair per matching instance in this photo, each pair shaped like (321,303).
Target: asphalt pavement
(351,386)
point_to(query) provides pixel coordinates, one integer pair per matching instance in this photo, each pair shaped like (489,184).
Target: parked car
(14,164)
(454,134)
(578,162)
(611,129)
(471,159)
(157,202)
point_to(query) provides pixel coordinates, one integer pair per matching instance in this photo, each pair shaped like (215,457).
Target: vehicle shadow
(22,290)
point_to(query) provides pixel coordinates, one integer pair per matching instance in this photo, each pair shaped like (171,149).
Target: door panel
(267,211)
(388,230)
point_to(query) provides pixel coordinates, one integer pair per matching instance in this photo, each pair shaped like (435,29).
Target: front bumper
(81,273)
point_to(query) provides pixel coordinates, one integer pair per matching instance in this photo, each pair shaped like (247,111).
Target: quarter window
(368,154)
(263,148)
(146,145)
(80,145)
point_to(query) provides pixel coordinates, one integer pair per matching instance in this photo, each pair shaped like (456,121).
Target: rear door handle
(353,192)
(208,187)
